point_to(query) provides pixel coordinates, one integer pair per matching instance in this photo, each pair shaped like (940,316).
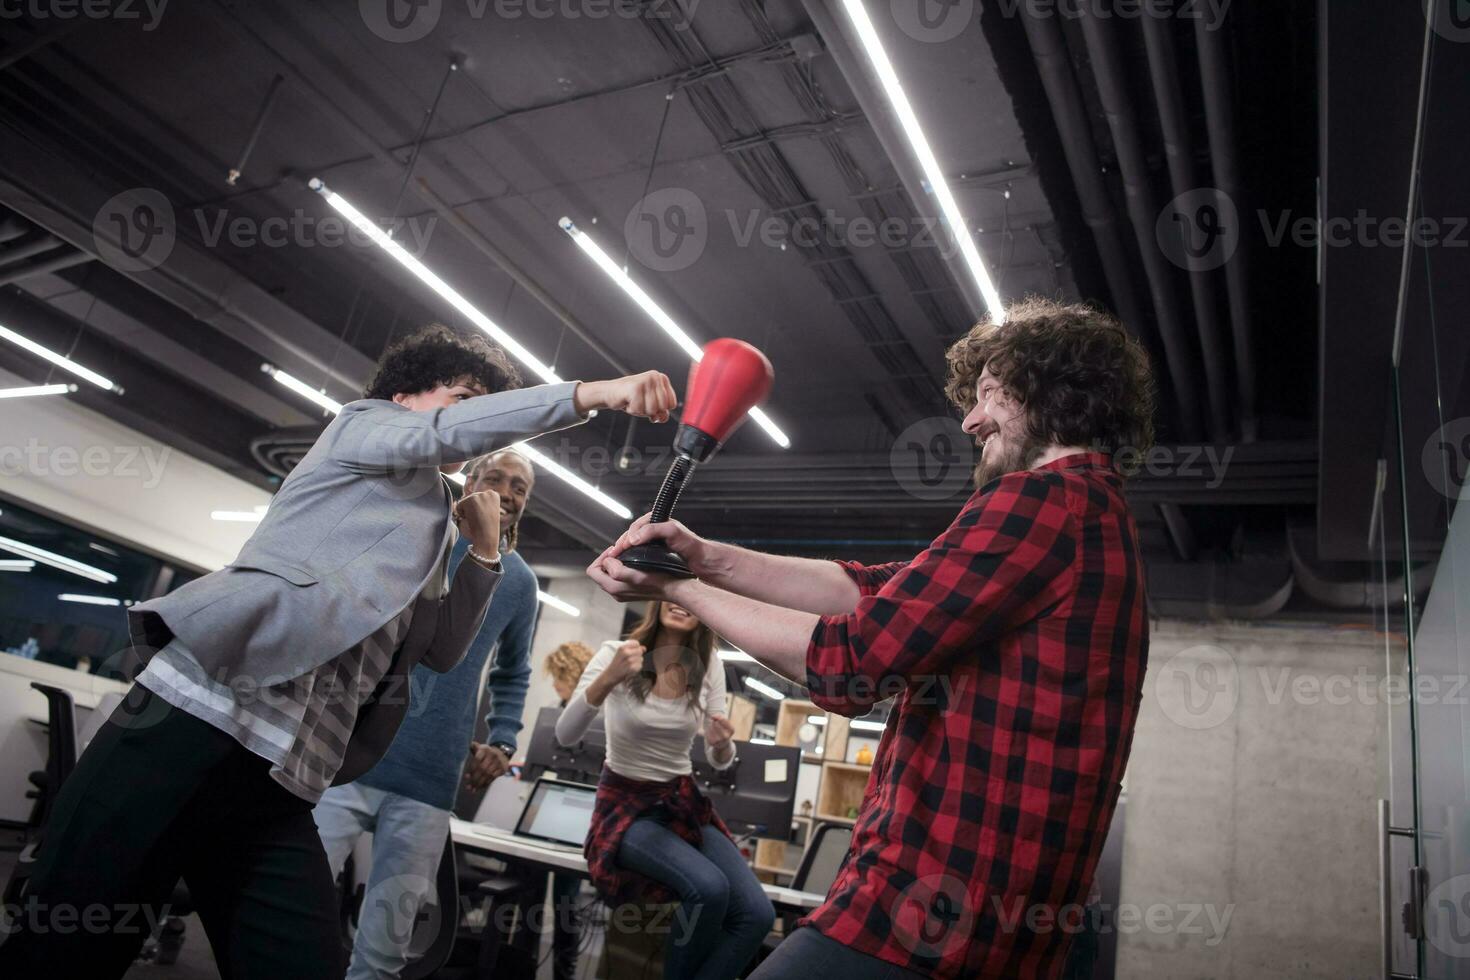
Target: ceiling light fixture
(425,275)
(765,689)
(878,58)
(655,312)
(56,561)
(556,603)
(16,565)
(90,600)
(31,391)
(65,363)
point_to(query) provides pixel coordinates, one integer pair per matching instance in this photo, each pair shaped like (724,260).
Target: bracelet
(493,564)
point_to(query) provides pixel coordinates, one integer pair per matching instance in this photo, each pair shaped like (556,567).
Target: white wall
(57,456)
(1251,793)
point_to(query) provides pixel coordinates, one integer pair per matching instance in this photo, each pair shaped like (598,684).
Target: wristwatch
(507,748)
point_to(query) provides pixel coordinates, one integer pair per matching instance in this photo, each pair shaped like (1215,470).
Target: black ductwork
(1143,212)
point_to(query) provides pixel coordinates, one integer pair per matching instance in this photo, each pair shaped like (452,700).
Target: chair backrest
(823,856)
(433,933)
(61,747)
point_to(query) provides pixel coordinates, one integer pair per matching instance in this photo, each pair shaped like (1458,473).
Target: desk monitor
(758,792)
(581,762)
(558,811)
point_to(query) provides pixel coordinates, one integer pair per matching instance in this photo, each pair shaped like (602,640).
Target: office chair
(825,849)
(822,858)
(61,759)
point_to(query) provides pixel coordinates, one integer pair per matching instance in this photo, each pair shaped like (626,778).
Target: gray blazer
(350,540)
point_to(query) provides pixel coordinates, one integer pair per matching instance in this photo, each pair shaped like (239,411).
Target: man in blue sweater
(405,800)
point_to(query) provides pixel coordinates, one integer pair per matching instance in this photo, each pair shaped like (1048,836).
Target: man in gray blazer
(286,672)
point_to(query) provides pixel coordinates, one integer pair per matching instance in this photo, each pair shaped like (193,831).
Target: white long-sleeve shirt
(649,739)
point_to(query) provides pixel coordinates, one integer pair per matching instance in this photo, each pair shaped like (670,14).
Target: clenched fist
(626,662)
(478,516)
(648,395)
(718,731)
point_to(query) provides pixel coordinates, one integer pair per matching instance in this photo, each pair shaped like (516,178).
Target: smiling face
(998,423)
(441,396)
(676,618)
(508,474)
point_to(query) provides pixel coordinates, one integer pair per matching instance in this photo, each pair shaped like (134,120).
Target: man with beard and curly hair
(1015,646)
(285,672)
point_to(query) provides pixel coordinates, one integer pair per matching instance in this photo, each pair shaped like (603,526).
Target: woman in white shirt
(654,836)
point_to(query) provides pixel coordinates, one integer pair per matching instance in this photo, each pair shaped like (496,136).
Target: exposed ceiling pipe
(1049,50)
(19,253)
(1220,124)
(1143,212)
(1163,68)
(13,227)
(17,273)
(476,238)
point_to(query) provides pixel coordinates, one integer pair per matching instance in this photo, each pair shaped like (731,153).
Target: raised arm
(378,435)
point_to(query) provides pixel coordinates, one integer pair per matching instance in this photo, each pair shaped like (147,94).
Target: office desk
(472,837)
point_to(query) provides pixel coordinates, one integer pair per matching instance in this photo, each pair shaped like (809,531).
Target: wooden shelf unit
(842,787)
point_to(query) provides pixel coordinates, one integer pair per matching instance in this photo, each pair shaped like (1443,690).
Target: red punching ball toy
(731,379)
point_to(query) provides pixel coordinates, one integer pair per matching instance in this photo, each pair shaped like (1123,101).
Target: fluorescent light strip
(56,561)
(65,363)
(33,390)
(762,741)
(927,161)
(868,726)
(535,455)
(303,389)
(556,603)
(90,600)
(428,278)
(242,516)
(765,689)
(16,565)
(645,302)
(735,656)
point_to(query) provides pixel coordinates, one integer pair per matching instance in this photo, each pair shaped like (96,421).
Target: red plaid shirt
(1016,645)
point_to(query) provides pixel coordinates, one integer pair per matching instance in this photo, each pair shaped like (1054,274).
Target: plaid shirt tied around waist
(1016,645)
(619,802)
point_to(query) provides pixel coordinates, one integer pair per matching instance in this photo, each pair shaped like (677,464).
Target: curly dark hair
(1082,380)
(437,355)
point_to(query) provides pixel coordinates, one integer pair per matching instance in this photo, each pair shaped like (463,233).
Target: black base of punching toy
(655,558)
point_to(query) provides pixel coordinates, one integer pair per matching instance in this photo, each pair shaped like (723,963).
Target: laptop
(557,814)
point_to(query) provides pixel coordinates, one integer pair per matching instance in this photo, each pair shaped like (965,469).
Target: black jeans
(160,795)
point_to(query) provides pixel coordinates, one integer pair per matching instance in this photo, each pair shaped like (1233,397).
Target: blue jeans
(724,914)
(408,842)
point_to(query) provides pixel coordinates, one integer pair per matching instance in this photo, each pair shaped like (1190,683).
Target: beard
(1005,454)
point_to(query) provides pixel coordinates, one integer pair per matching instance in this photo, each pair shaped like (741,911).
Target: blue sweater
(428,754)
